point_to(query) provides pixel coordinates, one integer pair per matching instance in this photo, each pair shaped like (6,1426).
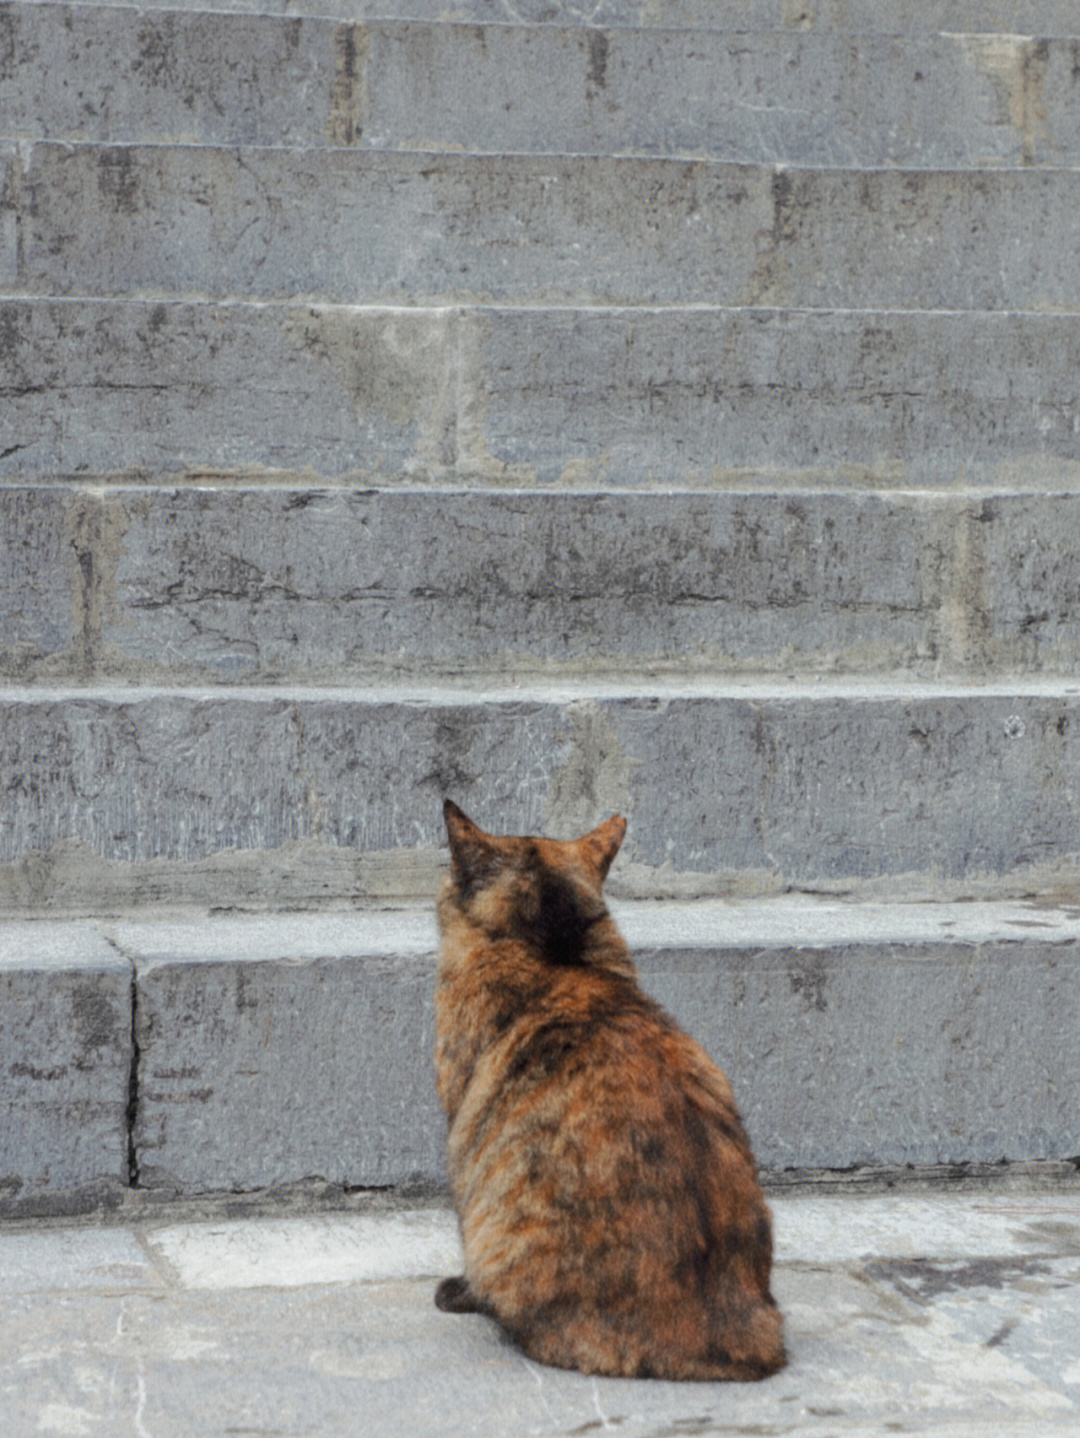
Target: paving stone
(292,1253)
(59,1260)
(957,1346)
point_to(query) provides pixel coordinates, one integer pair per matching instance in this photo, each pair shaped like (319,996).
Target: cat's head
(545,893)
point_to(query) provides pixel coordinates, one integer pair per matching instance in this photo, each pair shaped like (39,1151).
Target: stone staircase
(664,408)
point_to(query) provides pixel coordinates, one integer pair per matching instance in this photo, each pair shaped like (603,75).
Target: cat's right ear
(600,845)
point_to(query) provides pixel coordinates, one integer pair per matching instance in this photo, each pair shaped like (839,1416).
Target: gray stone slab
(954,1346)
(148,386)
(104,73)
(664,394)
(58,1260)
(293,1252)
(381,1360)
(65,1068)
(839,1228)
(345,226)
(578,397)
(794,784)
(293,584)
(801,98)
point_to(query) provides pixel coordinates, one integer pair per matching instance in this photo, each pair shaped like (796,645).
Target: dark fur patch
(561,927)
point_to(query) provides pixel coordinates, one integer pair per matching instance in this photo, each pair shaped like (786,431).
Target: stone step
(262,585)
(349,226)
(229,1054)
(278,798)
(575,397)
(917,17)
(814,98)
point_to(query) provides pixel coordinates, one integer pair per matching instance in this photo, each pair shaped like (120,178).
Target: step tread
(239,1057)
(785,922)
(788,922)
(290,586)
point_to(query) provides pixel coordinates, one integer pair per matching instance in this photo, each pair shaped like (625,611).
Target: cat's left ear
(599,847)
(469,845)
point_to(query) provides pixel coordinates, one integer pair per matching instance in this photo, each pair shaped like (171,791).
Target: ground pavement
(956,1313)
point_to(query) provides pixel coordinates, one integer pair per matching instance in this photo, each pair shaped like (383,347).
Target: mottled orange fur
(608,1199)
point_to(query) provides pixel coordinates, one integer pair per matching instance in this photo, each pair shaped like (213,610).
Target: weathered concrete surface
(273,1325)
(349,227)
(579,397)
(65,1068)
(337,586)
(798,784)
(815,98)
(276,1050)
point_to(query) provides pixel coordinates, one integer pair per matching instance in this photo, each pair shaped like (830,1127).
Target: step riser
(252,1072)
(579,397)
(847,1060)
(403,228)
(720,791)
(292,585)
(939,101)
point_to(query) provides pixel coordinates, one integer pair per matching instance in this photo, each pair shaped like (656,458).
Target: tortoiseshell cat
(608,1199)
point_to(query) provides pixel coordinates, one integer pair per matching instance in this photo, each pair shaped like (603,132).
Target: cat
(607,1196)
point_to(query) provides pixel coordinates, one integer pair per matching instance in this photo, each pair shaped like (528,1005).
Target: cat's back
(608,1196)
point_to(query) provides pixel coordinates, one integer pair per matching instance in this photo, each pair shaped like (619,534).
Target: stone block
(65,1069)
(44,596)
(901,1055)
(276,1050)
(801,96)
(885,1035)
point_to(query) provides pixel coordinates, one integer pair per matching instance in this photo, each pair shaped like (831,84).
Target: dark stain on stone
(808,982)
(598,58)
(926,1279)
(95,1017)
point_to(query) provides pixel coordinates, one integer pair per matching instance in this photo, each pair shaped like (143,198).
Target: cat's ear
(599,847)
(468,843)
